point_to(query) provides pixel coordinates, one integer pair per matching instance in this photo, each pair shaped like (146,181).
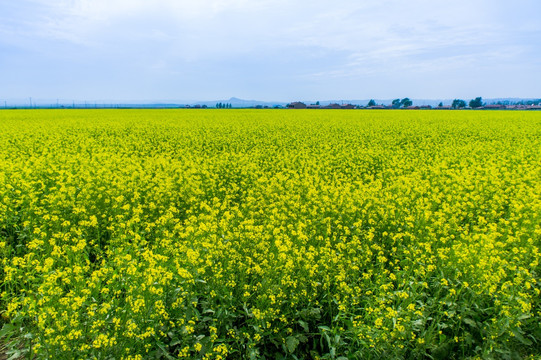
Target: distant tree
(458,104)
(440,104)
(405,102)
(371,103)
(396,103)
(317,102)
(476,103)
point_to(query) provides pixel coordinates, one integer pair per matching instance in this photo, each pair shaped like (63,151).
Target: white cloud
(208,27)
(301,40)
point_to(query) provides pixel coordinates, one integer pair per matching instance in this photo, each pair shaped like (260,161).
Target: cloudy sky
(277,50)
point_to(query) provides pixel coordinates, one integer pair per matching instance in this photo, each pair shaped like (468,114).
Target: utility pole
(30,102)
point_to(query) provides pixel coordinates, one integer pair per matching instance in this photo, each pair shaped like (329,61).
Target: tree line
(474,103)
(456,104)
(223,106)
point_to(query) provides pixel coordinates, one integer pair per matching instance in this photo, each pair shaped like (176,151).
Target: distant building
(348,106)
(494,107)
(313,106)
(296,105)
(333,106)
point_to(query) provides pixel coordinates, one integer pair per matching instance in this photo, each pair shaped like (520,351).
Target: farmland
(246,234)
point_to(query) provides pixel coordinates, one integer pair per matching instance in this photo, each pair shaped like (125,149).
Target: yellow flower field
(276,234)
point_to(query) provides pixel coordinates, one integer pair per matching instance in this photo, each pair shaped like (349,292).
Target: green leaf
(15,354)
(470,322)
(291,343)
(165,352)
(418,324)
(315,312)
(7,331)
(518,334)
(253,354)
